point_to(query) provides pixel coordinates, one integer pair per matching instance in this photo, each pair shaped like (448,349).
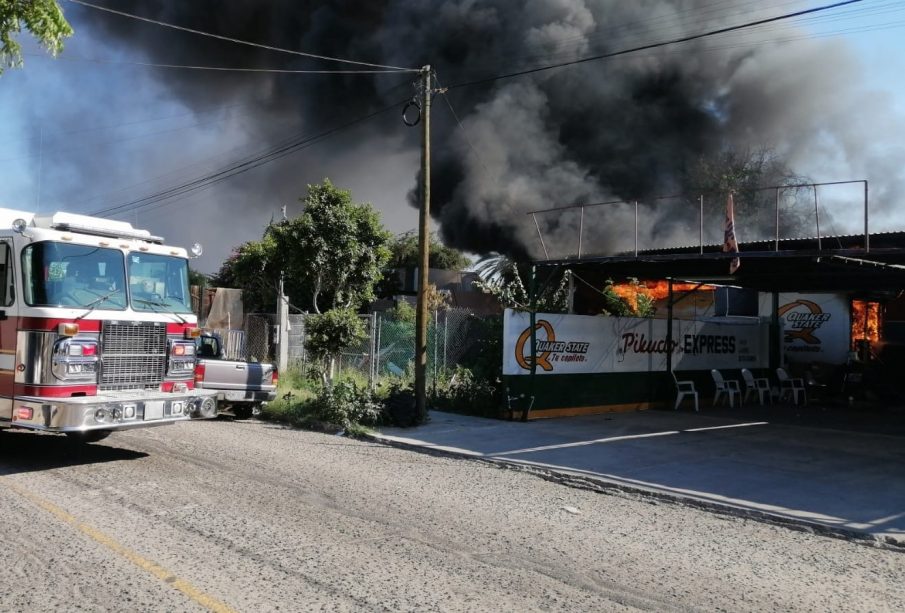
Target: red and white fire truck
(96,327)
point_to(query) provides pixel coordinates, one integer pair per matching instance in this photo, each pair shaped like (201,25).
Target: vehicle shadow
(22,452)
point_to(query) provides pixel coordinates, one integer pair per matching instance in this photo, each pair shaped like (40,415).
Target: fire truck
(97,332)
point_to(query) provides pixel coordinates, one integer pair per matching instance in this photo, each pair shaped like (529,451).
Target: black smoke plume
(624,129)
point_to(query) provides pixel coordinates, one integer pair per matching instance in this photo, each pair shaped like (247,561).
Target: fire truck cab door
(8,323)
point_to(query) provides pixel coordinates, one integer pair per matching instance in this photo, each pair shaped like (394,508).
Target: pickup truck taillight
(274,376)
(199,373)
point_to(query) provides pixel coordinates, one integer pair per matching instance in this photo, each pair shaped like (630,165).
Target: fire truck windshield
(159,283)
(63,274)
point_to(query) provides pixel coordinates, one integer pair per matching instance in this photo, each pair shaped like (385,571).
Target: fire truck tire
(91,436)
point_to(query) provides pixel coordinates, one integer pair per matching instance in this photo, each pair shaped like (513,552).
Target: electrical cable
(238,41)
(247,158)
(682,39)
(235,169)
(216,68)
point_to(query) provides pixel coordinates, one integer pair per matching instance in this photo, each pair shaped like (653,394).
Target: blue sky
(70,119)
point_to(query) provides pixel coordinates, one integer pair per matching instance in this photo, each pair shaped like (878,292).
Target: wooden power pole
(422,316)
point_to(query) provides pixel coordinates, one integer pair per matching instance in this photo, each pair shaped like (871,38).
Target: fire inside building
(829,314)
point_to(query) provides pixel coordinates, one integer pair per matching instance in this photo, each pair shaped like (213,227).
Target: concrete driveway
(755,461)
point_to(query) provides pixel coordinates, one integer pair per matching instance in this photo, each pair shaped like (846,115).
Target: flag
(730,244)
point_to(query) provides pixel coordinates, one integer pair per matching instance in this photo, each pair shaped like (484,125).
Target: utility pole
(422,314)
(283,325)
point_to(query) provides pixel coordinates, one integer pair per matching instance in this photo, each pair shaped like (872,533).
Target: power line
(682,39)
(238,168)
(182,167)
(216,68)
(238,41)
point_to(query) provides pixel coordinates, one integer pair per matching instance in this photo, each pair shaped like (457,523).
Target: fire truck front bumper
(118,410)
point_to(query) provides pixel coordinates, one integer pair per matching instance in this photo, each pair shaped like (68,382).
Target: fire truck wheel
(91,436)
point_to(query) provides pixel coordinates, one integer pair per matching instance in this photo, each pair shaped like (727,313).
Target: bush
(331,332)
(399,405)
(345,404)
(465,393)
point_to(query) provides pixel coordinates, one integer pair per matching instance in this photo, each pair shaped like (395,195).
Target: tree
(330,256)
(43,18)
(326,335)
(745,173)
(251,267)
(404,253)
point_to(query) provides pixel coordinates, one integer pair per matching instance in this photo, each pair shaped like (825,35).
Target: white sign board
(816,327)
(573,344)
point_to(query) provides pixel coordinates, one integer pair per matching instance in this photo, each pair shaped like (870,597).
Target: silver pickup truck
(242,387)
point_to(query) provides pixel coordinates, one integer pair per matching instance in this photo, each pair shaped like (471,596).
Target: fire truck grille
(134,355)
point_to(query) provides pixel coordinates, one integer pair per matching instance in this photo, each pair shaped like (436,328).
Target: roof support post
(817,219)
(669,301)
(701,224)
(580,229)
(866,233)
(540,236)
(777,219)
(636,228)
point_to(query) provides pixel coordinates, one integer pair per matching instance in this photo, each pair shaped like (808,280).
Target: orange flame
(655,290)
(658,290)
(865,321)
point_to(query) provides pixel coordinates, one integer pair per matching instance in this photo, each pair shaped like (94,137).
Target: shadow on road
(22,452)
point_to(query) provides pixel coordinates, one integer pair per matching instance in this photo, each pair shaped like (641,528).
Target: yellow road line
(195,594)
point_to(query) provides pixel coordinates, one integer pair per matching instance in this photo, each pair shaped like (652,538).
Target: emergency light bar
(93,225)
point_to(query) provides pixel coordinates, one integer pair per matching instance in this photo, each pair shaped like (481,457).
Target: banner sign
(573,344)
(816,327)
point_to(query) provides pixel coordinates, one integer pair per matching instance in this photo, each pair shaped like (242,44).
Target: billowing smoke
(627,129)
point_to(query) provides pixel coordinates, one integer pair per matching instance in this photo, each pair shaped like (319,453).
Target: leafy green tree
(327,334)
(43,18)
(331,256)
(334,253)
(404,253)
(251,267)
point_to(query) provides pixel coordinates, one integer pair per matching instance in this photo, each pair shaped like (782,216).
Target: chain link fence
(387,351)
(253,344)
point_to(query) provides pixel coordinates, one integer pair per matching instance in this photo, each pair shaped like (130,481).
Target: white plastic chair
(791,386)
(724,386)
(684,388)
(756,385)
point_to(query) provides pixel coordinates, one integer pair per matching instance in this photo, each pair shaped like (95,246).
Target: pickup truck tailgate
(229,375)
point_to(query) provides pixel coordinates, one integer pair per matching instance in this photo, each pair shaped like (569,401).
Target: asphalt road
(248,516)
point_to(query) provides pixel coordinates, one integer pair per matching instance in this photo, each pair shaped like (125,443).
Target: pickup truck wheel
(91,436)
(243,411)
